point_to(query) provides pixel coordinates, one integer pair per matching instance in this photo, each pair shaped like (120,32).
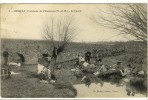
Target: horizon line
(70,41)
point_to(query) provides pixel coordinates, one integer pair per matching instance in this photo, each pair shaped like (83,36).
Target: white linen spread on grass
(85,64)
(14,72)
(14,64)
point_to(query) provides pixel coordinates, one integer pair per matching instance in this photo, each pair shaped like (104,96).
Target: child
(99,59)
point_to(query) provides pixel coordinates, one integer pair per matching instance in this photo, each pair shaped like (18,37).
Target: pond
(105,91)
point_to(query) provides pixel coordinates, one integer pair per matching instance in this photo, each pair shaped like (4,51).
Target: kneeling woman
(45,73)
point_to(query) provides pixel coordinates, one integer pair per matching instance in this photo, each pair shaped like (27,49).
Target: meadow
(27,83)
(33,49)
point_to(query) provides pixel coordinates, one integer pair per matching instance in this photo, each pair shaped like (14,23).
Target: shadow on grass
(65,86)
(56,85)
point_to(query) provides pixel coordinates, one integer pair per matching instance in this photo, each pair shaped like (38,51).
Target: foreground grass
(27,85)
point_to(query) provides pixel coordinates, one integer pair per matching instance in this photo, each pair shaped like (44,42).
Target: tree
(128,19)
(59,30)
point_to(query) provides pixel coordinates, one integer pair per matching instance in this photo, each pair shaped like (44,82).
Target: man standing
(53,62)
(5,55)
(55,53)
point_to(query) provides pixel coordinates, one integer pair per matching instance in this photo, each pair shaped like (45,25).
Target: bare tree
(59,30)
(130,19)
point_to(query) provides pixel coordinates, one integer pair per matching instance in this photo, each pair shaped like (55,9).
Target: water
(107,90)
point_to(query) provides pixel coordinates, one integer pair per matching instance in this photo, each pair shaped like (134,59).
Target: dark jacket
(5,54)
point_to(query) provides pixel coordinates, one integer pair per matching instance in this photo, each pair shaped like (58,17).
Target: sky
(27,23)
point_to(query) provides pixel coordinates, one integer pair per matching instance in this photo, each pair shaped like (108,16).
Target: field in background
(32,49)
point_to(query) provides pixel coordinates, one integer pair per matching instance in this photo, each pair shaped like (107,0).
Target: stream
(105,91)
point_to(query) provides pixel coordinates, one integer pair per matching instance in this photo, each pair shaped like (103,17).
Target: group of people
(19,62)
(85,62)
(44,69)
(87,58)
(97,54)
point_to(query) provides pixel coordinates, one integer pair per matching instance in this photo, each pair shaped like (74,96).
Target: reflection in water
(108,90)
(110,83)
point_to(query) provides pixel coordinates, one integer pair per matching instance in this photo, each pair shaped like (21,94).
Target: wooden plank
(5,73)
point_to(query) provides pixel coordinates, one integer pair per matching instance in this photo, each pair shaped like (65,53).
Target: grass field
(27,84)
